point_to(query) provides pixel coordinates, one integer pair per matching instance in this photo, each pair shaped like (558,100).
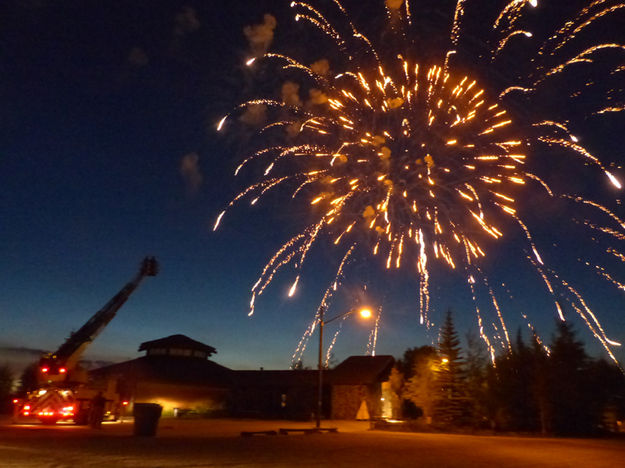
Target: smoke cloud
(22,350)
(317,97)
(290,94)
(260,36)
(137,57)
(186,21)
(190,172)
(254,115)
(321,67)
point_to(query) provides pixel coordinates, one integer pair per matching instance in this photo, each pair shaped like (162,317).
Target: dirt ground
(217,443)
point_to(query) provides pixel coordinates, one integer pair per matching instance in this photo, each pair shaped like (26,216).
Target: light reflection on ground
(190,443)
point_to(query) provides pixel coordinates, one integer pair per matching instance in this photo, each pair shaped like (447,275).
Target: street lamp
(364,313)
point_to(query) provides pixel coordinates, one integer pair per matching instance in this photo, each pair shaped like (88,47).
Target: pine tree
(477,364)
(606,385)
(564,392)
(450,406)
(568,381)
(540,384)
(524,410)
(28,379)
(516,387)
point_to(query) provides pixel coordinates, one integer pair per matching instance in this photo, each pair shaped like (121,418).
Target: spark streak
(409,158)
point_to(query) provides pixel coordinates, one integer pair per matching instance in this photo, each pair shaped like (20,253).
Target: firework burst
(408,156)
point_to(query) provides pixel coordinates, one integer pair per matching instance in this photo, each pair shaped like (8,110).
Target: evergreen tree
(540,385)
(504,384)
(477,364)
(450,406)
(525,412)
(606,388)
(558,390)
(564,392)
(568,383)
(517,385)
(28,379)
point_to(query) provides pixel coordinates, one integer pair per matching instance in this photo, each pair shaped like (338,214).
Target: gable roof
(178,342)
(359,370)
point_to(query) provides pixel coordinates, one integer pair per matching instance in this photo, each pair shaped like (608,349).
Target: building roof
(355,370)
(169,369)
(359,370)
(179,342)
(275,378)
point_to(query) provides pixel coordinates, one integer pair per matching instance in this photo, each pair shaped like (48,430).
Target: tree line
(6,386)
(556,389)
(26,383)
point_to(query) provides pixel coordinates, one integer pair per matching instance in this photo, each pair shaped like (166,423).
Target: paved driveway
(216,443)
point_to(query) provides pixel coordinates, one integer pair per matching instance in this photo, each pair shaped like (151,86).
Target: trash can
(146,418)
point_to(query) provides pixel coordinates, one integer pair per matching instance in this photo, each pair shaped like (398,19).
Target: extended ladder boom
(69,352)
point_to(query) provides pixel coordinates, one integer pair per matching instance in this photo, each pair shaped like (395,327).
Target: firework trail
(325,303)
(400,152)
(373,335)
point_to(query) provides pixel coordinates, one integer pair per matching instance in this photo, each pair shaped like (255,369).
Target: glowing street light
(364,313)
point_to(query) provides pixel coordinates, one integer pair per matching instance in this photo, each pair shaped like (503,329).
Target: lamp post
(364,313)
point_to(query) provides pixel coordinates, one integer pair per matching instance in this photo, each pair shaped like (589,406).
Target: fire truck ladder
(65,358)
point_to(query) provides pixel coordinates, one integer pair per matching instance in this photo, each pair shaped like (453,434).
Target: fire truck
(64,393)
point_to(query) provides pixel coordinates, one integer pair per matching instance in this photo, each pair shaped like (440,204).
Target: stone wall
(346,400)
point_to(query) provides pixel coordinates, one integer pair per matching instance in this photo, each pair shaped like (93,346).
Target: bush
(410,411)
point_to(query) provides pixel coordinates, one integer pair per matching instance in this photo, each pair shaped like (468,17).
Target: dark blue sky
(92,145)
(99,104)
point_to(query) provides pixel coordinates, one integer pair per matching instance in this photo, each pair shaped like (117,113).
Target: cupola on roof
(177,345)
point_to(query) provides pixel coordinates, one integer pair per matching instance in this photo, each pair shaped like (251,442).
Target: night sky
(108,153)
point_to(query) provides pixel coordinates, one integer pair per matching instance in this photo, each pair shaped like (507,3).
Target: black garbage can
(146,418)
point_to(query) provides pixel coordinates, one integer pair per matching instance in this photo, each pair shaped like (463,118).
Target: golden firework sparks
(410,159)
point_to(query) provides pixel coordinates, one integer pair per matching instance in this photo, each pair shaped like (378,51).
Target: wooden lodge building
(176,372)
